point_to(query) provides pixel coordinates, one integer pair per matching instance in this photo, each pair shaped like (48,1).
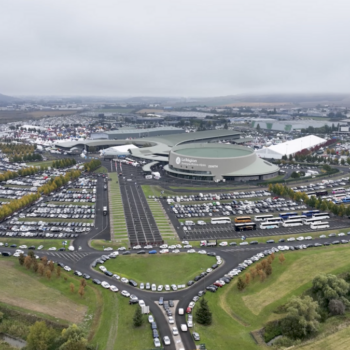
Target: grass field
(47,243)
(100,244)
(160,269)
(101,170)
(43,163)
(236,314)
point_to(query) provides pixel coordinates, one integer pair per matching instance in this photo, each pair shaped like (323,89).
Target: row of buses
(244,223)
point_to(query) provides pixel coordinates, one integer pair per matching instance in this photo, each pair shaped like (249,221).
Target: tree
(81,291)
(328,287)
(28,262)
(247,278)
(48,274)
(268,270)
(71,286)
(35,266)
(336,307)
(72,338)
(58,271)
(258,128)
(40,337)
(44,260)
(41,269)
(51,266)
(294,175)
(83,282)
(137,319)
(203,313)
(302,317)
(240,284)
(281,258)
(262,275)
(21,259)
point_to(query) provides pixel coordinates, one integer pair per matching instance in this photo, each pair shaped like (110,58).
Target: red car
(188,310)
(218,284)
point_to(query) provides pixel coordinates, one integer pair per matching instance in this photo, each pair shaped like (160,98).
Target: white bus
(263,217)
(320,224)
(291,223)
(275,219)
(223,220)
(269,224)
(297,217)
(321,215)
(338,190)
(311,221)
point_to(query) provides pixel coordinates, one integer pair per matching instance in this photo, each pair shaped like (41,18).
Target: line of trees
(27,157)
(9,175)
(313,202)
(92,165)
(63,163)
(59,181)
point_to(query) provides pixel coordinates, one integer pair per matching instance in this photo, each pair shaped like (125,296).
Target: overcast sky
(173,48)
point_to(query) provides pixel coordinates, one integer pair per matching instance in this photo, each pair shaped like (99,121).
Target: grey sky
(178,48)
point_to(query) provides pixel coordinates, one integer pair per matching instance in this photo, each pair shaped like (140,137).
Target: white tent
(118,150)
(290,147)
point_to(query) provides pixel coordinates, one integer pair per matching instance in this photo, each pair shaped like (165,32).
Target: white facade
(290,147)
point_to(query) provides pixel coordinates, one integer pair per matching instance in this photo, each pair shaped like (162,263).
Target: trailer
(209,243)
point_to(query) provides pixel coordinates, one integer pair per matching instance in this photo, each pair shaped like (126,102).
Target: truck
(105,211)
(211,243)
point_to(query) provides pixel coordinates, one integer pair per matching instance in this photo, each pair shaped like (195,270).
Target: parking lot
(142,228)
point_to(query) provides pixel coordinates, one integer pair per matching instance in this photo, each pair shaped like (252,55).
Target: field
(100,244)
(160,269)
(43,163)
(150,110)
(236,314)
(32,292)
(47,243)
(101,170)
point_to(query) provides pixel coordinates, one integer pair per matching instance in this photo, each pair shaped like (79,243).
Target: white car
(148,247)
(202,252)
(113,288)
(23,246)
(308,238)
(191,304)
(187,246)
(122,248)
(117,277)
(142,286)
(175,331)
(167,287)
(209,270)
(223,244)
(172,247)
(150,318)
(163,246)
(16,255)
(160,288)
(301,238)
(176,251)
(323,236)
(102,268)
(339,234)
(124,280)
(184,242)
(157,343)
(164,251)
(106,285)
(125,293)
(137,247)
(142,303)
(174,287)
(166,340)
(171,320)
(1,244)
(291,239)
(244,243)
(108,249)
(154,287)
(179,246)
(67,268)
(191,251)
(52,248)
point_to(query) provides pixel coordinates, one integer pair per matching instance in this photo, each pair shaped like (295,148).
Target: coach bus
(269,224)
(275,219)
(222,220)
(321,193)
(320,224)
(310,213)
(311,221)
(250,226)
(321,216)
(285,216)
(263,217)
(338,190)
(291,223)
(241,219)
(346,200)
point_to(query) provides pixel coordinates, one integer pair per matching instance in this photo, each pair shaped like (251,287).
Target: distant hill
(7,99)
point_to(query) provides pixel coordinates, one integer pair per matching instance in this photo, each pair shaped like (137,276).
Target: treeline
(9,175)
(59,181)
(302,316)
(42,336)
(92,165)
(63,163)
(31,157)
(13,148)
(17,204)
(313,202)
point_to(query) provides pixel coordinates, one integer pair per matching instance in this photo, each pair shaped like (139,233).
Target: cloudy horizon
(185,48)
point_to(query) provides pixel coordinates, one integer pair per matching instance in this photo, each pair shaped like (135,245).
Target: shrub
(272,330)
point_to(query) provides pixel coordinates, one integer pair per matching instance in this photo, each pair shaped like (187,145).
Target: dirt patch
(19,289)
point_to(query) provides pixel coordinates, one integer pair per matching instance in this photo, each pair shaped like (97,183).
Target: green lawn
(100,244)
(47,243)
(101,170)
(160,269)
(236,314)
(43,163)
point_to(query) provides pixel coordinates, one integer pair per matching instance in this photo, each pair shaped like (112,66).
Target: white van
(189,223)
(181,311)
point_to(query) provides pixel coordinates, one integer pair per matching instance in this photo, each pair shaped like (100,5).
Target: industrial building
(290,147)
